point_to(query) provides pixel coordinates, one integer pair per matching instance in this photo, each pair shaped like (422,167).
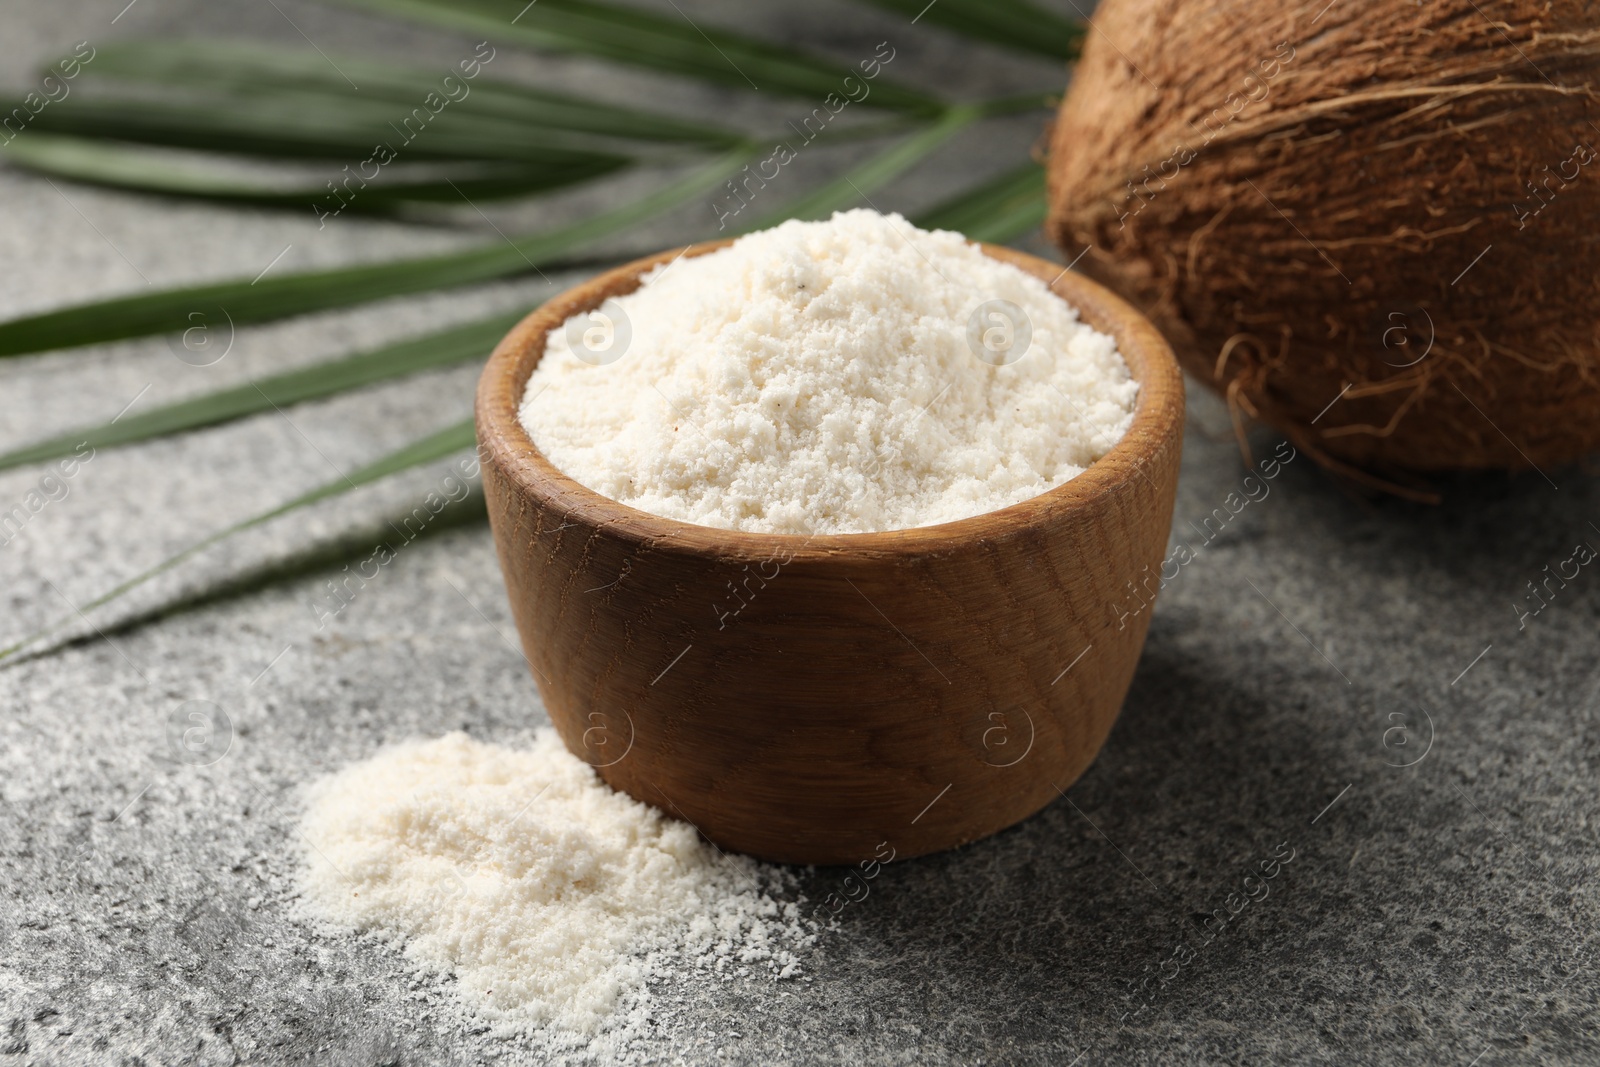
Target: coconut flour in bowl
(830,377)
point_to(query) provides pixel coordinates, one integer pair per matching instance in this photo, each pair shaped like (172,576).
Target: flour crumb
(551,899)
(830,377)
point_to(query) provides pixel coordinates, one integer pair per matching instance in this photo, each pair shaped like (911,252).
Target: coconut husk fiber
(1372,225)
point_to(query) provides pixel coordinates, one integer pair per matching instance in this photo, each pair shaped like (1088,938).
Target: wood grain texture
(908,687)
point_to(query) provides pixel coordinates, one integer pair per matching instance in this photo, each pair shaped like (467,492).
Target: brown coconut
(1370,224)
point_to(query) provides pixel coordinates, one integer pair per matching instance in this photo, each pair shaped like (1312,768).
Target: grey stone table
(1345,682)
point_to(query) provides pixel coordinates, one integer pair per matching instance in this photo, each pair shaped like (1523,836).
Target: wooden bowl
(909,691)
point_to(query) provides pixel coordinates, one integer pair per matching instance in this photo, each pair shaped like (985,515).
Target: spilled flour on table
(550,898)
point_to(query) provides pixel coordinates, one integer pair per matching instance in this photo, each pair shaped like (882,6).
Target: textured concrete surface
(1342,693)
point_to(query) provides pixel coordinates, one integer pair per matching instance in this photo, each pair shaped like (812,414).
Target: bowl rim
(1157,421)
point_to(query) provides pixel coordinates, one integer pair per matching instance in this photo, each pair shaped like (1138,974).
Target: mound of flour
(549,897)
(829,377)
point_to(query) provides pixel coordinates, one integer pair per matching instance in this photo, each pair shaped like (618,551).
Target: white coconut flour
(829,377)
(550,898)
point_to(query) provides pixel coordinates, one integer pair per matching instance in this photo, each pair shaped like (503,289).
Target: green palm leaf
(251,70)
(300,127)
(143,170)
(240,302)
(458,344)
(675,45)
